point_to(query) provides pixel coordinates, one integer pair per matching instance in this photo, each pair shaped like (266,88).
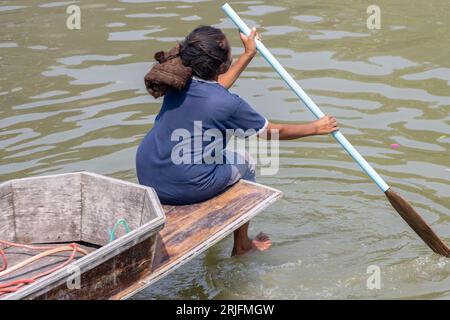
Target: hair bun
(169,72)
(159,56)
(162,56)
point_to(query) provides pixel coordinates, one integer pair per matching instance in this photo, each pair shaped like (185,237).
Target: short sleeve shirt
(180,156)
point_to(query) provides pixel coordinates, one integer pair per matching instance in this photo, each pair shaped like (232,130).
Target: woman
(168,157)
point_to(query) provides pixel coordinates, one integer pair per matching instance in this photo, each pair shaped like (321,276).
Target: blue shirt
(180,156)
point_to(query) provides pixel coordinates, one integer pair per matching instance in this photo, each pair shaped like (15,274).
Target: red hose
(15,285)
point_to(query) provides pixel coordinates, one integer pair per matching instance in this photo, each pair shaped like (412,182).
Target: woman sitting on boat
(205,104)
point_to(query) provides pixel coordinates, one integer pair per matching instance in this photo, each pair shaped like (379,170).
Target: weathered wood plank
(110,277)
(189,226)
(149,206)
(7,229)
(191,229)
(47,209)
(104,202)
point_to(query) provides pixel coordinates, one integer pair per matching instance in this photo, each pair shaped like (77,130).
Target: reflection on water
(75,100)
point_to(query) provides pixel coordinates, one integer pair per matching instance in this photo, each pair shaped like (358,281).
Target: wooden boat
(83,208)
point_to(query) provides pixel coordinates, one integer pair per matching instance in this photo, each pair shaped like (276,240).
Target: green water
(74,100)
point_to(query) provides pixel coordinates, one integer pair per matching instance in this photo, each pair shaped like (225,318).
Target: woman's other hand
(325,125)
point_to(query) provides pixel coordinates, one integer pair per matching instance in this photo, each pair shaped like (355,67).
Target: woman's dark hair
(205,49)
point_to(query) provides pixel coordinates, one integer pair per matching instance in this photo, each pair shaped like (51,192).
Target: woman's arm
(322,126)
(228,78)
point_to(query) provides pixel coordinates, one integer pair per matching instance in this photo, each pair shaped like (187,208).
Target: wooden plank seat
(192,229)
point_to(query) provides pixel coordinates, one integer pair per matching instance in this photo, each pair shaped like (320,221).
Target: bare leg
(243,244)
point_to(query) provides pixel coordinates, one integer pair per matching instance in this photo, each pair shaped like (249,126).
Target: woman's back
(181,157)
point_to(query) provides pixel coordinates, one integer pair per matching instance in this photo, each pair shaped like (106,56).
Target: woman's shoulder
(218,94)
(214,88)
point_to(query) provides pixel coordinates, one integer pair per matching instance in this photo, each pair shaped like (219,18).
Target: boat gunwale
(101,254)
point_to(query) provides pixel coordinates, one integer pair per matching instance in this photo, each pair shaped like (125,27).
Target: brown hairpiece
(168,72)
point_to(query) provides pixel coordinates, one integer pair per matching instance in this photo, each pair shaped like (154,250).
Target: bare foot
(260,243)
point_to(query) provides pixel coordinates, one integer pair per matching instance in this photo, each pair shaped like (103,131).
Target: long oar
(406,211)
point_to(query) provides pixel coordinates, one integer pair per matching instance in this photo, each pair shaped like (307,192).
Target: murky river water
(74,100)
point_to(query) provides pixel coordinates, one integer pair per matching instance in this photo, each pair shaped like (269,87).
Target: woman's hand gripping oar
(406,211)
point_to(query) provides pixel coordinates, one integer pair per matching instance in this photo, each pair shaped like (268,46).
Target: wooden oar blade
(417,223)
